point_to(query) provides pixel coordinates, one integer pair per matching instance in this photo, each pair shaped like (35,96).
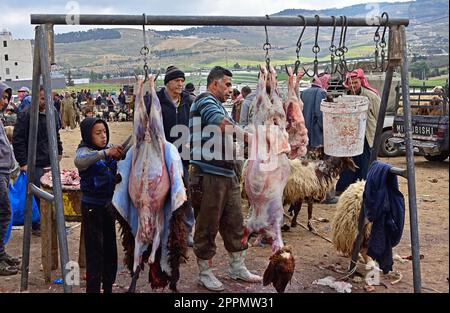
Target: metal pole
(41,193)
(31,163)
(373,157)
(410,166)
(172,20)
(382,113)
(53,150)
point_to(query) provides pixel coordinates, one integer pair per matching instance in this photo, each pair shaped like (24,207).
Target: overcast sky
(15,15)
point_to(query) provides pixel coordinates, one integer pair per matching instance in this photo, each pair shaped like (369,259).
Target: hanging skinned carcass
(295,122)
(265,175)
(151,198)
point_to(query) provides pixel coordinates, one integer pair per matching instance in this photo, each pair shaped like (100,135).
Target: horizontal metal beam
(399,171)
(38,192)
(175,20)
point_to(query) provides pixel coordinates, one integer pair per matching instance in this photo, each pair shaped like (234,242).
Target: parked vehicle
(429,118)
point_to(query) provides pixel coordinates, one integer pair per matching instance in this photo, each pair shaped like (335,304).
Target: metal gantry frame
(44,56)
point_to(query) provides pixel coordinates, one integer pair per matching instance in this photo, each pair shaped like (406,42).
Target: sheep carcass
(266,175)
(151,177)
(345,222)
(310,180)
(295,126)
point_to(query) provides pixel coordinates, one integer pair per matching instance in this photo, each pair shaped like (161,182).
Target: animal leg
(310,209)
(134,279)
(296,207)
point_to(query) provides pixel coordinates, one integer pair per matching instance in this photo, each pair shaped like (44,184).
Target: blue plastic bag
(17,198)
(8,232)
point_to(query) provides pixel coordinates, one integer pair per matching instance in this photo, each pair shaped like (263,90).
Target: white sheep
(345,223)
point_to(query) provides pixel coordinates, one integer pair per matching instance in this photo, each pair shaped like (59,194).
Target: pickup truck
(429,117)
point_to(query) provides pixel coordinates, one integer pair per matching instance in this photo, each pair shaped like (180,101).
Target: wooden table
(72,213)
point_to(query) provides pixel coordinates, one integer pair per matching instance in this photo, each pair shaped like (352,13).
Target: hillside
(202,47)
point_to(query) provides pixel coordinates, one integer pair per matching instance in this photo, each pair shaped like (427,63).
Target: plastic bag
(8,233)
(17,198)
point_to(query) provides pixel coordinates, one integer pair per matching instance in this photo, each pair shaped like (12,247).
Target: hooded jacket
(6,153)
(97,170)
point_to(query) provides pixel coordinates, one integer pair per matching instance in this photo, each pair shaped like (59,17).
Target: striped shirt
(210,149)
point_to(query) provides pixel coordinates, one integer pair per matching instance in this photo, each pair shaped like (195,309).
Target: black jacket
(174,116)
(20,139)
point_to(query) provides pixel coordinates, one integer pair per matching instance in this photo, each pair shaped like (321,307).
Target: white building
(16,61)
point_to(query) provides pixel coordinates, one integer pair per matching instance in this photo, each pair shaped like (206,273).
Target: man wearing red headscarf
(356,83)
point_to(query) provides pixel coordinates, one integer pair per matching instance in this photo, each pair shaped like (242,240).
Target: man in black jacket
(20,145)
(176,104)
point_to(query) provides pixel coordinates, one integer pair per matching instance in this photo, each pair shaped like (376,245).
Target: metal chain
(376,39)
(267,46)
(145,50)
(383,41)
(342,50)
(299,46)
(332,48)
(315,49)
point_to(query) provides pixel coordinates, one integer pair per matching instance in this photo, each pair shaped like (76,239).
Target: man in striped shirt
(214,185)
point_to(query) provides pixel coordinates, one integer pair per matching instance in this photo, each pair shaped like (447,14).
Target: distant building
(15,58)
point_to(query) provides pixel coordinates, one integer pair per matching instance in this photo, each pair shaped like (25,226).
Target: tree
(420,70)
(69,79)
(92,76)
(237,66)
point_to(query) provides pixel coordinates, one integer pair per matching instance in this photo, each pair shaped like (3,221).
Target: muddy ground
(315,257)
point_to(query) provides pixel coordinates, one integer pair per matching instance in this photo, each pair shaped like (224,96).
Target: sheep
(345,222)
(310,180)
(112,117)
(122,117)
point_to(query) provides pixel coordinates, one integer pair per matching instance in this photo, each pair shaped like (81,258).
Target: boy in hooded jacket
(96,161)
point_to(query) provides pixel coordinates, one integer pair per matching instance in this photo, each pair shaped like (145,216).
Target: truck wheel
(386,148)
(437,158)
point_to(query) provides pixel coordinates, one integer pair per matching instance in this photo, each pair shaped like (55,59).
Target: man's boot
(206,277)
(238,270)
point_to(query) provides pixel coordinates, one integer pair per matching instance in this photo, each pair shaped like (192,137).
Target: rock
(434,180)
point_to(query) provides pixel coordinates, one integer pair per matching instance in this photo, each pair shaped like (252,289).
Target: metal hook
(330,69)
(267,46)
(315,49)
(383,41)
(299,46)
(145,50)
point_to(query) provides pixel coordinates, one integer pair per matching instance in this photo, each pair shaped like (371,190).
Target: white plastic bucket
(344,125)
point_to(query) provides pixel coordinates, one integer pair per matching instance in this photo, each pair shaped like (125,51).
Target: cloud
(17,19)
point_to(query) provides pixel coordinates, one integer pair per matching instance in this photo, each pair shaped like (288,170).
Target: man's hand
(115,152)
(23,168)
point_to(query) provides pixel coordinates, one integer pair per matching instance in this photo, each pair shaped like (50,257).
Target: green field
(439,81)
